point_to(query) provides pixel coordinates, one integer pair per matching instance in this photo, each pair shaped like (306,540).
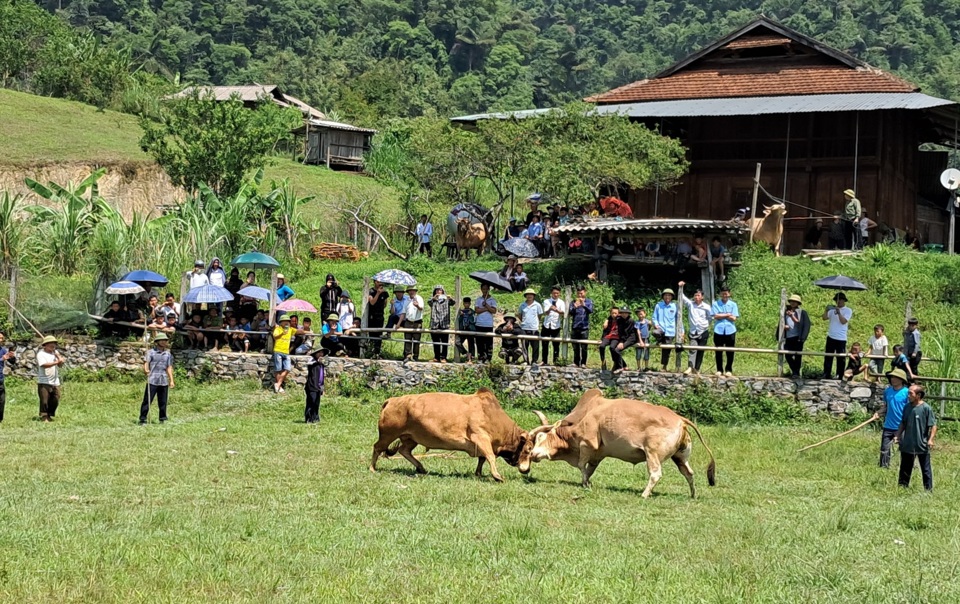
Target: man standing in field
(424,232)
(796,329)
(839,317)
(699,314)
(895,399)
(5,355)
(851,220)
(282,336)
(725,313)
(158,366)
(49,361)
(917,430)
(665,324)
(911,344)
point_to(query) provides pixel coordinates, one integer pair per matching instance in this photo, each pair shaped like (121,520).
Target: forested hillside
(366,59)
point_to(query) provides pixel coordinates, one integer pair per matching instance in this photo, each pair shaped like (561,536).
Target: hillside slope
(53,139)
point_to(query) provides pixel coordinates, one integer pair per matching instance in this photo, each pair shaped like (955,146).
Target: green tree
(198,140)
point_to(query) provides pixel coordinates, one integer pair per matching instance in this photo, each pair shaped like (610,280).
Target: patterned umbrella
(840,282)
(124,287)
(145,278)
(523,248)
(295,305)
(257,293)
(255,261)
(395,276)
(492,279)
(208,294)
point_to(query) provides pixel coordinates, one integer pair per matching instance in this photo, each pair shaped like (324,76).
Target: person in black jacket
(330,296)
(628,337)
(316,377)
(795,329)
(377,299)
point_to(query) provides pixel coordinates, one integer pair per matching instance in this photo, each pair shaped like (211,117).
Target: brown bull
(633,431)
(769,228)
(470,236)
(473,423)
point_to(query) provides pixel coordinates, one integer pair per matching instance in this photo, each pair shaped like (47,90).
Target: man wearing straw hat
(158,365)
(49,361)
(795,329)
(851,220)
(895,400)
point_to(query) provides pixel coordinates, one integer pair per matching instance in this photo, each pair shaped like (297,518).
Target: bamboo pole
(780,330)
(835,437)
(365,313)
(678,339)
(753,204)
(273,298)
(457,291)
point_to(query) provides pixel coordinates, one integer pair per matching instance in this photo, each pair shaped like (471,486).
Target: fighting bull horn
(542,418)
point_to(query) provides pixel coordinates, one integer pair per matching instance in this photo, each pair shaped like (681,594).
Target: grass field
(235,500)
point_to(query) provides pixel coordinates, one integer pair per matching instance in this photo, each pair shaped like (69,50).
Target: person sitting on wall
(330,336)
(353,343)
(519,279)
(107,327)
(510,349)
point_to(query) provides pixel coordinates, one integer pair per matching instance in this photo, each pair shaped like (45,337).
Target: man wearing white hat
(49,361)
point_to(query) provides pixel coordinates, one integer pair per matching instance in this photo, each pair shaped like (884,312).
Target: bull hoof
(373,470)
(421,470)
(497,477)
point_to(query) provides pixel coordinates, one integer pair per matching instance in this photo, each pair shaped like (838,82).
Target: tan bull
(473,423)
(634,431)
(470,236)
(769,227)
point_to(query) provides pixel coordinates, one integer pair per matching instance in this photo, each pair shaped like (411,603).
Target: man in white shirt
(839,317)
(554,311)
(412,318)
(699,314)
(49,361)
(424,232)
(197,276)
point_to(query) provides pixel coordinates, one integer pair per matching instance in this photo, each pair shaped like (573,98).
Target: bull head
(527,440)
(463,225)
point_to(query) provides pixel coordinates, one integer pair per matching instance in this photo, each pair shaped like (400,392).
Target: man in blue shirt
(895,400)
(665,322)
(535,233)
(725,314)
(397,305)
(284,292)
(530,313)
(580,310)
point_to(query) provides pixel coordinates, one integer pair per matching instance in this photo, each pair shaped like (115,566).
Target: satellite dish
(950,179)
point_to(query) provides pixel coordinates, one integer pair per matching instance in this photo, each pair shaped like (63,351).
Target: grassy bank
(234,500)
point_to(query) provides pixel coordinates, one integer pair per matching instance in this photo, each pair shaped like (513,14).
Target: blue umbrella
(208,294)
(522,248)
(255,261)
(395,276)
(124,287)
(840,282)
(145,278)
(258,293)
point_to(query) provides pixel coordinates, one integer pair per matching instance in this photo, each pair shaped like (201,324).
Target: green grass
(235,500)
(36,129)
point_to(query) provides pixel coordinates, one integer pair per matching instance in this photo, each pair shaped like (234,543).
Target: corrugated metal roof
(761,105)
(650,225)
(339,126)
(247,94)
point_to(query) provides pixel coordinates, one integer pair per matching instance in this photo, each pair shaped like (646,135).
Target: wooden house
(818,120)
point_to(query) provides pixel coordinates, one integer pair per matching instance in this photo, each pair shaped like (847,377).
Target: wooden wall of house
(822,148)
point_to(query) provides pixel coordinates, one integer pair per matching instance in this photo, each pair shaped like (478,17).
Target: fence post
(273,298)
(567,322)
(943,394)
(456,324)
(364,318)
(781,331)
(753,203)
(679,327)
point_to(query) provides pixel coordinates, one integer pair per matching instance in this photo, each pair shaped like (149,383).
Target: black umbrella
(492,279)
(840,282)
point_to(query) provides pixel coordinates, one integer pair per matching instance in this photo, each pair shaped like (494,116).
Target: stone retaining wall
(831,396)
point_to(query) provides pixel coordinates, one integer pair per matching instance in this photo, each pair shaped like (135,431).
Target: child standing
(917,431)
(900,362)
(642,325)
(911,344)
(466,321)
(878,344)
(316,377)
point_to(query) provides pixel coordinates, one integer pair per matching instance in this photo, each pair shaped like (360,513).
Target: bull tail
(392,449)
(712,468)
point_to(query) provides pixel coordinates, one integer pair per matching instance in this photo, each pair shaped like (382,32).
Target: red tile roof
(755,78)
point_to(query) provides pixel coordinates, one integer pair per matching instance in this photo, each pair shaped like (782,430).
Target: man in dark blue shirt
(580,311)
(5,355)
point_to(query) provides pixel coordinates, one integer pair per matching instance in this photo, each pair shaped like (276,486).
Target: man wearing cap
(530,313)
(554,311)
(895,400)
(699,314)
(284,292)
(49,361)
(282,336)
(839,317)
(397,305)
(314,386)
(412,318)
(851,220)
(911,344)
(665,322)
(377,299)
(795,330)
(158,367)
(580,311)
(198,277)
(329,295)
